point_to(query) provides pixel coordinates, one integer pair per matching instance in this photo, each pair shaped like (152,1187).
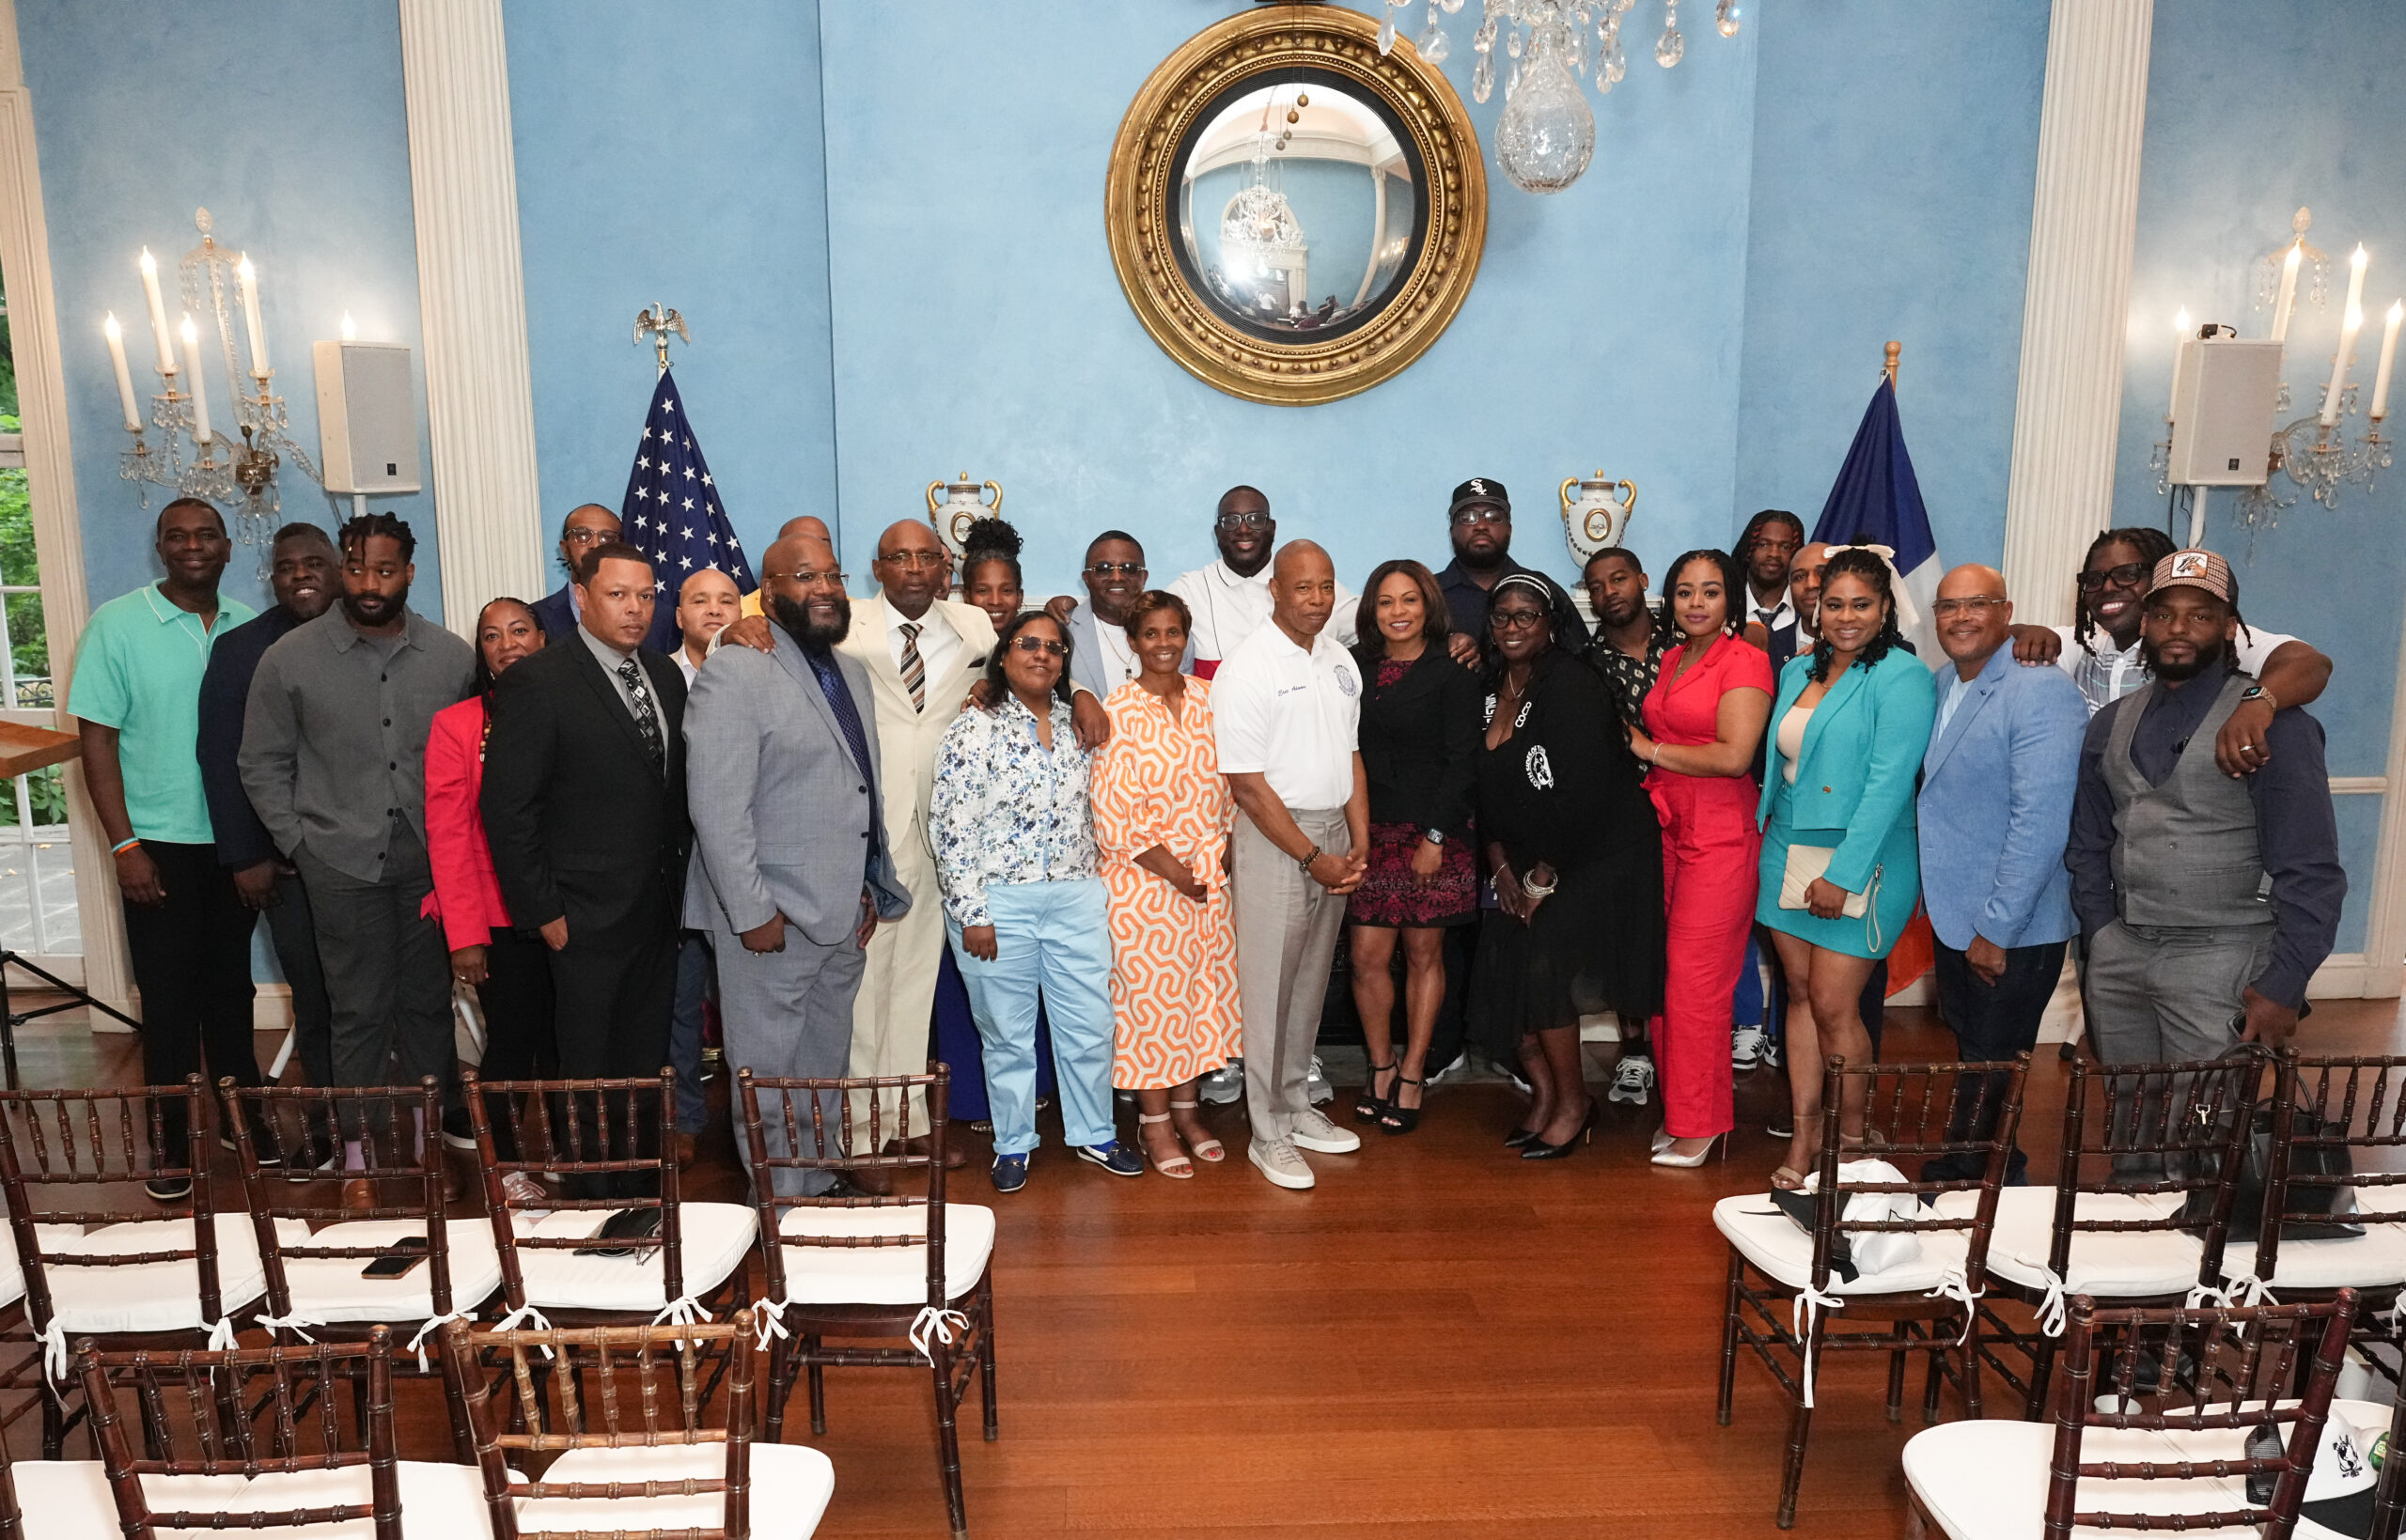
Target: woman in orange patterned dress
(1162,816)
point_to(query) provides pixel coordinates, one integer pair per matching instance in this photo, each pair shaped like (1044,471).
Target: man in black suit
(584,809)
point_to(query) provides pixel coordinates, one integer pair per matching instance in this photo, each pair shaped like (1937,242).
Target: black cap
(1480,489)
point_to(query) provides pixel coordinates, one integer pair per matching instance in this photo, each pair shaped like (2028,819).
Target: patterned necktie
(915,668)
(840,700)
(646,717)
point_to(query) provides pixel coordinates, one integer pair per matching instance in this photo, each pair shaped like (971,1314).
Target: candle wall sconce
(238,477)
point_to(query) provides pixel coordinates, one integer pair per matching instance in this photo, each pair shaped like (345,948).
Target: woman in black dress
(1577,855)
(1419,743)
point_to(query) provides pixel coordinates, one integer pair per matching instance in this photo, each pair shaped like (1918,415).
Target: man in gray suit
(790,872)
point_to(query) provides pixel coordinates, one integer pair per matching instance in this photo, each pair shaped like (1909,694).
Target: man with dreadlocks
(1766,551)
(2101,651)
(2207,900)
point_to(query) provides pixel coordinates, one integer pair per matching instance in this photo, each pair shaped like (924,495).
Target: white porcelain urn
(963,503)
(1595,513)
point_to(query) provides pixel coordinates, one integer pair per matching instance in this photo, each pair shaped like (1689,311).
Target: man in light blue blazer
(1995,810)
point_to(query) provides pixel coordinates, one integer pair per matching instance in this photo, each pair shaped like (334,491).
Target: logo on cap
(2189,564)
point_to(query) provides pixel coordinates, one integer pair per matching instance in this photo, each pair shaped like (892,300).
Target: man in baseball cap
(1481,519)
(2207,900)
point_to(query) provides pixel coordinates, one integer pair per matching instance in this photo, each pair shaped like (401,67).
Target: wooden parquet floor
(1439,1340)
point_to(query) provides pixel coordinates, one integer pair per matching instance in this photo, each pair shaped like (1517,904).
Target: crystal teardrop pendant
(1449,7)
(1433,44)
(1725,16)
(1669,48)
(1386,33)
(1546,135)
(1482,78)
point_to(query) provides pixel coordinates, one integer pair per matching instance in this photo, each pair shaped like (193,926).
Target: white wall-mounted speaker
(366,417)
(2223,391)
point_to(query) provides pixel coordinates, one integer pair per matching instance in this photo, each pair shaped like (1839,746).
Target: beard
(1479,561)
(374,609)
(2207,659)
(1622,612)
(794,616)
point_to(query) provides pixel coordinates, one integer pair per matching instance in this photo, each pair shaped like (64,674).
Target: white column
(463,189)
(2067,412)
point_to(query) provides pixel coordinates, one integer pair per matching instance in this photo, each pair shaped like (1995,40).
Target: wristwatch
(1434,837)
(2257,692)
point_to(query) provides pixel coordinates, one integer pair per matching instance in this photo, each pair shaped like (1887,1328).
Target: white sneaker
(1224,1084)
(1316,1086)
(520,1187)
(1314,1131)
(1770,1052)
(1745,1046)
(1632,1081)
(1281,1164)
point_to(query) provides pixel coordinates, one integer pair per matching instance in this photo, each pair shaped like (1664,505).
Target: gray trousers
(295,931)
(388,974)
(789,1015)
(1286,927)
(2161,994)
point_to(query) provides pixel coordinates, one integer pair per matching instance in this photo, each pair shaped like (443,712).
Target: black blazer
(580,821)
(1419,741)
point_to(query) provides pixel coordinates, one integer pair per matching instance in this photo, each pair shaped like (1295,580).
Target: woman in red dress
(1703,718)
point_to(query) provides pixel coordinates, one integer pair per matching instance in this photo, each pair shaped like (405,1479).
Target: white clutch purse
(1805,864)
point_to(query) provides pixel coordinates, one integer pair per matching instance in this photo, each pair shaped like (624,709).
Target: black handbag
(2306,1160)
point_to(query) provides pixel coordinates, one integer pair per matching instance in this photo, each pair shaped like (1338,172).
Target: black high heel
(1521,1138)
(1396,1118)
(1538,1149)
(1369,1106)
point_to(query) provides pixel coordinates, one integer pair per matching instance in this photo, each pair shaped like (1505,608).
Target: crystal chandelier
(1260,228)
(1547,134)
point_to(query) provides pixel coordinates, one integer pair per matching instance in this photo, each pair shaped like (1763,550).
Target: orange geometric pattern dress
(1173,961)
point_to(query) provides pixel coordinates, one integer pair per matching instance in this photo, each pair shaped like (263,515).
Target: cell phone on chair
(397,1258)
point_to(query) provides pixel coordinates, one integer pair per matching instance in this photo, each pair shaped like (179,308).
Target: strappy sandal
(1794,1183)
(1396,1118)
(1206,1149)
(1177,1168)
(1370,1107)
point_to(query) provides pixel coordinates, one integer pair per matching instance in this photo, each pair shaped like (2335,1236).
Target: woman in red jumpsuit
(1703,718)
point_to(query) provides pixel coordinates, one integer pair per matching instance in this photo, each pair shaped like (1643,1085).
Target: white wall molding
(50,466)
(2092,122)
(2384,955)
(472,296)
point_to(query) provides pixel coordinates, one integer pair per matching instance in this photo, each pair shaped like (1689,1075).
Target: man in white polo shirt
(1285,707)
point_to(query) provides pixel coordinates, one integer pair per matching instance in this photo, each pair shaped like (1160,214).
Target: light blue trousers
(1052,939)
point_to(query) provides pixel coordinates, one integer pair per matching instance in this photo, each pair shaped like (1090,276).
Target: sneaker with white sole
(1632,1080)
(1770,1052)
(1316,1086)
(1745,1046)
(1281,1164)
(1224,1084)
(518,1188)
(1314,1131)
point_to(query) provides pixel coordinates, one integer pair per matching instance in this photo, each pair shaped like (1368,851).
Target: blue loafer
(1114,1157)
(1010,1172)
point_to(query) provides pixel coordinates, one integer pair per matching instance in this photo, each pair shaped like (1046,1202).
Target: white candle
(2288,289)
(2388,357)
(115,335)
(2339,363)
(350,328)
(251,317)
(199,392)
(2356,279)
(159,332)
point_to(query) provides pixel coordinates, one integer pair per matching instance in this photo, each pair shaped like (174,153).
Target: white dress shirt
(938,640)
(1229,608)
(1118,658)
(1292,716)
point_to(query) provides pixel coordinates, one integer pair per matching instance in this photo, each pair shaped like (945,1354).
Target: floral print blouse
(1006,810)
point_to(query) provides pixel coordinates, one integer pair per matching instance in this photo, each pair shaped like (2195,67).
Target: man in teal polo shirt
(135,697)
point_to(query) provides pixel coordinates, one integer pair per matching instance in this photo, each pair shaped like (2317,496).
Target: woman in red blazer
(509,969)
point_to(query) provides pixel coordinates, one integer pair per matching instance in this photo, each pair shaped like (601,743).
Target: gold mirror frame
(1138,206)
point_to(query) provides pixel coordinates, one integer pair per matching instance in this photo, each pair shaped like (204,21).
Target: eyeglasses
(1976,607)
(589,536)
(808,580)
(1482,516)
(1117,569)
(2127,575)
(1515,620)
(1245,520)
(1041,644)
(909,559)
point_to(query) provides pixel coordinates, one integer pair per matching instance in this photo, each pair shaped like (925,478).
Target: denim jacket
(1005,810)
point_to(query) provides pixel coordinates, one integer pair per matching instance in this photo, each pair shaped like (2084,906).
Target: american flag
(671,512)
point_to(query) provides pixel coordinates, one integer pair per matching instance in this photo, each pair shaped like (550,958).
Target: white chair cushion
(2104,1263)
(69,1500)
(790,1485)
(330,1290)
(716,1237)
(2376,1259)
(1780,1249)
(883,1275)
(149,1295)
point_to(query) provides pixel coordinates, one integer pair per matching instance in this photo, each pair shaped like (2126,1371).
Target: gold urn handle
(1568,482)
(996,508)
(934,487)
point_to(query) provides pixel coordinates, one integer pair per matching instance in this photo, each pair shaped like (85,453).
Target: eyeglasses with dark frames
(1041,644)
(1245,520)
(1516,620)
(1117,569)
(2127,575)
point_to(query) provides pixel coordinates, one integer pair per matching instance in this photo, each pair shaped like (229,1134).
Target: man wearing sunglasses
(1101,656)
(1230,599)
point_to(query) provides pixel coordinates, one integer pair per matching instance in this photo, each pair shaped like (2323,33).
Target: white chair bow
(1953,1285)
(1809,1302)
(525,1319)
(936,1325)
(426,1329)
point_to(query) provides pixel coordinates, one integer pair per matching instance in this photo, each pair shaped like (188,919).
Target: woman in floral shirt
(1022,900)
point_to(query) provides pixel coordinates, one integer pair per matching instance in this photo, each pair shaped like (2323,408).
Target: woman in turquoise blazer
(1848,727)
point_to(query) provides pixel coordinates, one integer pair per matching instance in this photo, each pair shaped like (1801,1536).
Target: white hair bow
(1907,617)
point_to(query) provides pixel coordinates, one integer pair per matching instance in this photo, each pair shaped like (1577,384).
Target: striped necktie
(915,669)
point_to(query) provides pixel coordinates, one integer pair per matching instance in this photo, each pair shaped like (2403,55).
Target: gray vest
(2187,854)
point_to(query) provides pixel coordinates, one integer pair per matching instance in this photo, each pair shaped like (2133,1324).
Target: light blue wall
(2247,118)
(680,163)
(980,326)
(284,119)
(1895,150)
